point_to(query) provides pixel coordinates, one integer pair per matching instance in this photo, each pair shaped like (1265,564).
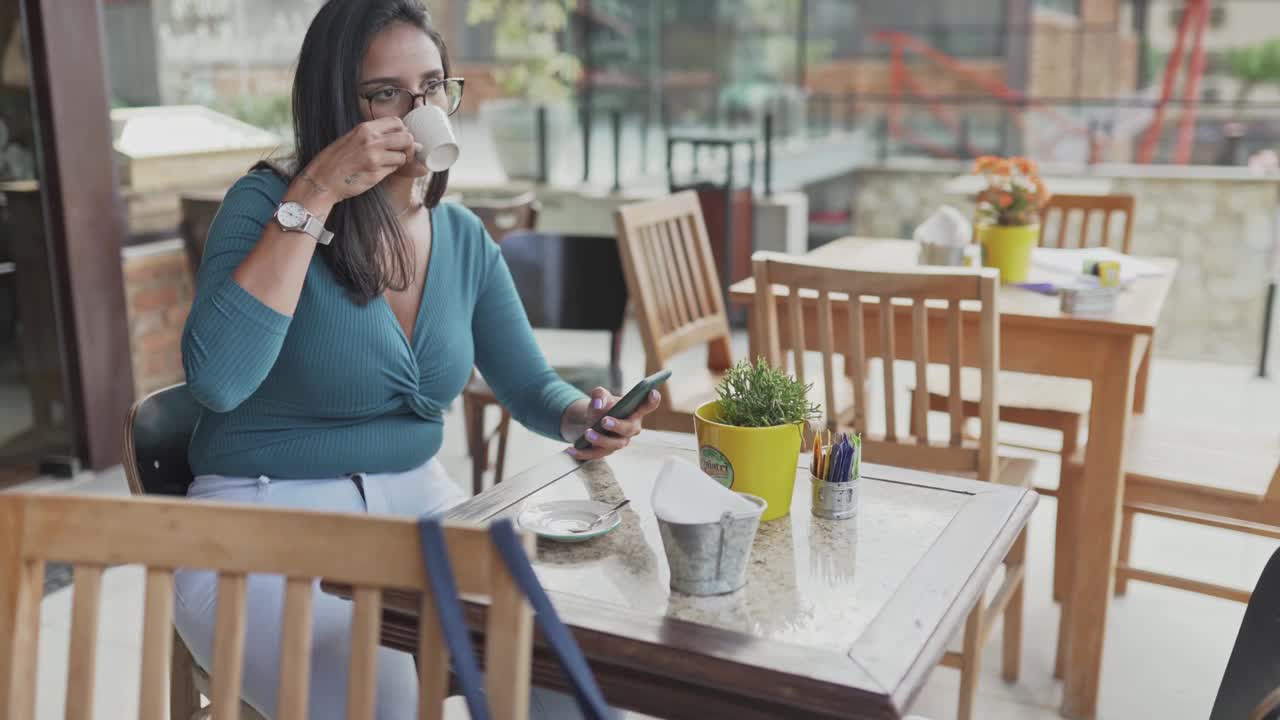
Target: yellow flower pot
(1008,249)
(756,461)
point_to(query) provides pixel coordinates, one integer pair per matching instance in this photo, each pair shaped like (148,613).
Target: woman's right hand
(357,161)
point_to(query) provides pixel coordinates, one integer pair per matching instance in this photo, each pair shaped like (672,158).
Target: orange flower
(1026,166)
(984,163)
(1005,200)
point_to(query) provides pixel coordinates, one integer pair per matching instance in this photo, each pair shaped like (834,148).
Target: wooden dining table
(1113,352)
(837,618)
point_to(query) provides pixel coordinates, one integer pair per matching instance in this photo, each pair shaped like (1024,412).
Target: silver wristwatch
(293,217)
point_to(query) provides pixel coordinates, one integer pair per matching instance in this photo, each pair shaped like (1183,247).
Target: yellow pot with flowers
(1009,210)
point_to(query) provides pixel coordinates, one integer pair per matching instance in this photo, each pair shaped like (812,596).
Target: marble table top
(837,618)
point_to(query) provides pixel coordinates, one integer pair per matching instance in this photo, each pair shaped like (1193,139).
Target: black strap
(453,626)
(585,690)
(444,593)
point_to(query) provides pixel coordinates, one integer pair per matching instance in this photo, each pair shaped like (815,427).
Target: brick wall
(158,293)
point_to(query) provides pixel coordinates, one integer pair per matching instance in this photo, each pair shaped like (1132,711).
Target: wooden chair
(1057,220)
(565,283)
(157,435)
(501,216)
(914,297)
(675,290)
(1052,403)
(370,553)
(1220,477)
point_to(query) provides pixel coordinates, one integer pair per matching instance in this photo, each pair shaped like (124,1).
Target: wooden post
(83,219)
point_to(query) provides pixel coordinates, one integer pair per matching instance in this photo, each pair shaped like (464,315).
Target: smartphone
(629,403)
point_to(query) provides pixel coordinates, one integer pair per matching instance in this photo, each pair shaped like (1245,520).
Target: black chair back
(1253,671)
(158,434)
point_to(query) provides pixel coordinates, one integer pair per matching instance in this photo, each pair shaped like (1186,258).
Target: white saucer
(557,519)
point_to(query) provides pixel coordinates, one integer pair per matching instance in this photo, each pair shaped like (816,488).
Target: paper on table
(1070,261)
(684,494)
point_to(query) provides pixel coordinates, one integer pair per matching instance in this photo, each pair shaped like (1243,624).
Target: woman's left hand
(583,415)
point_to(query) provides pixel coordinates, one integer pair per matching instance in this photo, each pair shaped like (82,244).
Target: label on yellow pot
(715,464)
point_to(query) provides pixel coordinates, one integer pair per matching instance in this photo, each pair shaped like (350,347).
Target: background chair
(157,435)
(1220,477)
(370,553)
(1059,229)
(675,289)
(913,298)
(1053,403)
(565,283)
(504,215)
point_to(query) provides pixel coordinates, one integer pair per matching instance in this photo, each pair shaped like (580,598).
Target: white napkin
(946,226)
(684,494)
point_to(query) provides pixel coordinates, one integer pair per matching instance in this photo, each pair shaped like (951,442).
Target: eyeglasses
(397,101)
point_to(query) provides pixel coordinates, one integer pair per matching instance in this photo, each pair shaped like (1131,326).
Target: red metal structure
(1195,16)
(902,80)
(1017,103)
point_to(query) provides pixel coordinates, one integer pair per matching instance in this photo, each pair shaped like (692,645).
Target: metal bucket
(945,255)
(711,558)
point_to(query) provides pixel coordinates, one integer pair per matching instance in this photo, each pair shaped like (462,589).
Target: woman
(325,369)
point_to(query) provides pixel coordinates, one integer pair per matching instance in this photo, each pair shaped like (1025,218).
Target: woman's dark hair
(371,253)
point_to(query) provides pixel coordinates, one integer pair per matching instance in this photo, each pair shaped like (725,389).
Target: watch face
(292,215)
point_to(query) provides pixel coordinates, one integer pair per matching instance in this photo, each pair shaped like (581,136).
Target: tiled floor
(1165,649)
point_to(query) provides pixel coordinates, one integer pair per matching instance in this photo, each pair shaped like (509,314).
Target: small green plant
(763,396)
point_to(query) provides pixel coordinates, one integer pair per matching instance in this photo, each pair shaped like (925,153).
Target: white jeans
(424,490)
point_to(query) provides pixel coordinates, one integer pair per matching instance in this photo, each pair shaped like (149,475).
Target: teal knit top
(337,388)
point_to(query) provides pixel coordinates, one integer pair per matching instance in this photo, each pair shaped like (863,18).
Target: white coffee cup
(430,126)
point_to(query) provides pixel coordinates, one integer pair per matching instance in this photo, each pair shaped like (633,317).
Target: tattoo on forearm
(313,183)
(351,179)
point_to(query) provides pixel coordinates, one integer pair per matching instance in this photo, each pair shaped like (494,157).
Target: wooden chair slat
(955,343)
(827,346)
(433,663)
(228,644)
(689,261)
(366,629)
(667,238)
(795,328)
(888,355)
(86,604)
(295,649)
(856,362)
(510,626)
(920,355)
(988,406)
(157,645)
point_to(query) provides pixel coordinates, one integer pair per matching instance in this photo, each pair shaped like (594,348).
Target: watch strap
(315,228)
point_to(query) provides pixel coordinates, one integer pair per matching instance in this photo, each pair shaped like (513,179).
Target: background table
(1113,352)
(838,619)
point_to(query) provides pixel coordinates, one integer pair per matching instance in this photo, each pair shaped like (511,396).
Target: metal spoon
(596,523)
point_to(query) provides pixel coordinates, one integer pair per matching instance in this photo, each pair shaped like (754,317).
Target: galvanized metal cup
(834,500)
(946,255)
(711,558)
